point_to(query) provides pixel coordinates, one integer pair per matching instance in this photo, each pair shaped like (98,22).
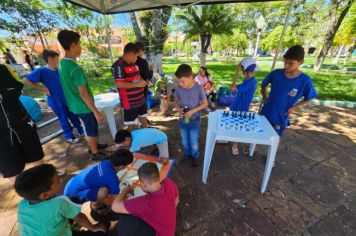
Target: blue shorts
(90,124)
(88,195)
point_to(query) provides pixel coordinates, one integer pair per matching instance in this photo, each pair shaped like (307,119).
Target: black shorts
(130,115)
(25,147)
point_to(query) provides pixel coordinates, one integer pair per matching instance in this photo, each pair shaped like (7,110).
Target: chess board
(128,176)
(238,121)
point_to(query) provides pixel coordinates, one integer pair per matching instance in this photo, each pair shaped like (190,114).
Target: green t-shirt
(50,217)
(72,76)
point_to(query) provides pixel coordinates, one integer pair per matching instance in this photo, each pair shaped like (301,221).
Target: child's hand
(189,113)
(141,84)
(99,117)
(233,88)
(181,113)
(100,227)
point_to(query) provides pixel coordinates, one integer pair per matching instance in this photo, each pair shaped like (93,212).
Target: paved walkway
(312,189)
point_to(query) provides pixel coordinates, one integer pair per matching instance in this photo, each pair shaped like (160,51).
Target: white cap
(249,62)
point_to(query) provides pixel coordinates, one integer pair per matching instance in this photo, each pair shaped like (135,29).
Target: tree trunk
(334,25)
(136,27)
(336,60)
(204,45)
(42,41)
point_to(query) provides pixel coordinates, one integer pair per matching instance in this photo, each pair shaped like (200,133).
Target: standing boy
(79,97)
(189,99)
(42,213)
(158,207)
(288,85)
(244,91)
(49,77)
(130,87)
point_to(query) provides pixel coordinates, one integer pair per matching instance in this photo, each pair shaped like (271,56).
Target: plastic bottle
(186,118)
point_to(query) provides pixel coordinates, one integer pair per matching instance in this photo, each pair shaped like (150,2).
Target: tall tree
(151,28)
(337,12)
(206,21)
(30,17)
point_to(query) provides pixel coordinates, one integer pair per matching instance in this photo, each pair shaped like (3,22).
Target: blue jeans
(190,137)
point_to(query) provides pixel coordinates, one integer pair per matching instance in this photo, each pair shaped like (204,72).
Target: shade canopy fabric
(122,6)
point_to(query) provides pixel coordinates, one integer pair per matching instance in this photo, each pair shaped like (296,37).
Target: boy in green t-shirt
(40,213)
(76,89)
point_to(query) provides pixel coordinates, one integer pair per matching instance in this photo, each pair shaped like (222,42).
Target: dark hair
(34,181)
(140,46)
(8,49)
(131,47)
(49,53)
(207,74)
(67,37)
(294,53)
(121,135)
(121,157)
(149,172)
(184,70)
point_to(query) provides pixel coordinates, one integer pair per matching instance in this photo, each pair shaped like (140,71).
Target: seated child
(98,183)
(41,213)
(189,99)
(245,91)
(288,86)
(157,208)
(141,138)
(204,79)
(165,86)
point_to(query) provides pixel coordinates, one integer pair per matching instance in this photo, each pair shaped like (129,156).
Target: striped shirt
(129,73)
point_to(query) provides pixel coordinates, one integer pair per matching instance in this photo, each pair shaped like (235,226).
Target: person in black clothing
(28,59)
(146,71)
(19,142)
(9,57)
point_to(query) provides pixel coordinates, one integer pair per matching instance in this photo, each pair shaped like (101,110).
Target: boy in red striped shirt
(130,86)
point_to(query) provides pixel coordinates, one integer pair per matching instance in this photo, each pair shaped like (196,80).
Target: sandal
(234,151)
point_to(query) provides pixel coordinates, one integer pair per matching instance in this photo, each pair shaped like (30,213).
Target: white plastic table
(107,102)
(268,137)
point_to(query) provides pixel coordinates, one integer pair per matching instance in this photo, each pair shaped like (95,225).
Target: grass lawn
(330,85)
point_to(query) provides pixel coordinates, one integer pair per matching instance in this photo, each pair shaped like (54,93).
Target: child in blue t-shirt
(141,138)
(99,183)
(288,86)
(49,77)
(245,91)
(42,213)
(189,99)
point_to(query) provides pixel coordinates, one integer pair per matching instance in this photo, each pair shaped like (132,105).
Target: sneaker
(100,156)
(73,140)
(195,162)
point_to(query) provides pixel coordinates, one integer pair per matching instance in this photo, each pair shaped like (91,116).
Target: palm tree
(205,21)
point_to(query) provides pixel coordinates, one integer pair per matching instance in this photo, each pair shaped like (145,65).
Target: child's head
(184,74)
(148,175)
(70,41)
(141,48)
(293,58)
(131,52)
(120,159)
(51,57)
(248,66)
(38,183)
(203,71)
(123,137)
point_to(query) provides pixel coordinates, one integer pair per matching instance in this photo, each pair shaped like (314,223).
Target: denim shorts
(90,124)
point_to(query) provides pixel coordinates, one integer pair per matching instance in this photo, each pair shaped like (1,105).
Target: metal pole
(108,38)
(257,42)
(282,35)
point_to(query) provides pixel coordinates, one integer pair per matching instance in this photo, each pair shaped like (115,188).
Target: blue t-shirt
(284,94)
(191,98)
(146,137)
(50,79)
(244,95)
(96,176)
